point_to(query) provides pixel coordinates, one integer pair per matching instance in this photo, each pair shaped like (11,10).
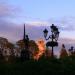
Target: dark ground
(42,67)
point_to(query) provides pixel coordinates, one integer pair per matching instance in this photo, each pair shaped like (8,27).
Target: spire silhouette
(25,51)
(24,35)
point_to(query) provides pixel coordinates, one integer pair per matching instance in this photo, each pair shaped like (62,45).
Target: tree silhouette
(33,48)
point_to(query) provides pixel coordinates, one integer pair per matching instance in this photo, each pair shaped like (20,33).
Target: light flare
(41,51)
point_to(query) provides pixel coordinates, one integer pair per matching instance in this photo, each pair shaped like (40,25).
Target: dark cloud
(15,32)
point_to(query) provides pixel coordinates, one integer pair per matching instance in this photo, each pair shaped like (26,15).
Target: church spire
(24,35)
(25,54)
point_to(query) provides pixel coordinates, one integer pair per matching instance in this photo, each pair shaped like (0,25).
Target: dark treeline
(42,66)
(46,64)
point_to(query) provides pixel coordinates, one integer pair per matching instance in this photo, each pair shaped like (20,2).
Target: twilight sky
(37,14)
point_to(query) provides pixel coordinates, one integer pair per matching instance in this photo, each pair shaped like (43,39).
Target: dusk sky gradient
(37,14)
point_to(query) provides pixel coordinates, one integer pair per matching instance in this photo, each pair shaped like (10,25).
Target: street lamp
(54,37)
(45,33)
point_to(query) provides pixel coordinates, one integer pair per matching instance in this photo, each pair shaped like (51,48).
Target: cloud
(66,41)
(14,31)
(66,23)
(11,30)
(38,23)
(8,10)
(7,27)
(34,29)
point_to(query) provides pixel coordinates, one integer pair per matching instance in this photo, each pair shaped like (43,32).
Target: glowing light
(41,51)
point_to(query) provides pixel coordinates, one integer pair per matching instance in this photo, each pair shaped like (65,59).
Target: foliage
(32,44)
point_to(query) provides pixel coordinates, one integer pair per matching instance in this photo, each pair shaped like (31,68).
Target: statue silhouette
(71,50)
(63,52)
